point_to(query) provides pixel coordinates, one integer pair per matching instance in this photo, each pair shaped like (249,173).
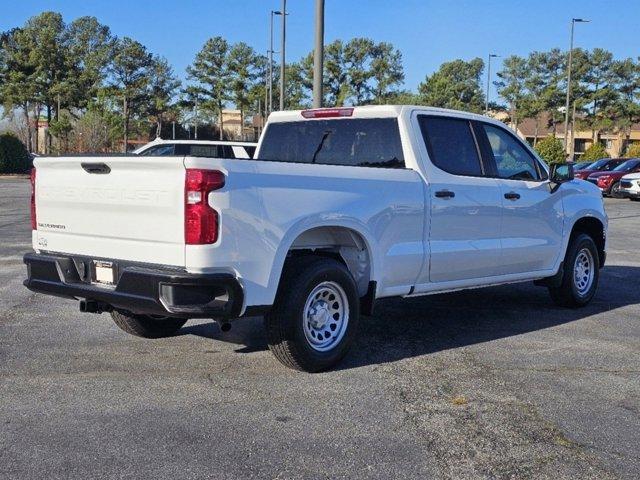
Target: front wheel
(581,273)
(315,316)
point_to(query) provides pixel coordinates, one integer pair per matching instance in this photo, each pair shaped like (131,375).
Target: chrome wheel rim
(583,271)
(325,316)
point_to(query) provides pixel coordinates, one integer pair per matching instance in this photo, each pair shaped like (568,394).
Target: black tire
(285,322)
(568,293)
(614,191)
(146,326)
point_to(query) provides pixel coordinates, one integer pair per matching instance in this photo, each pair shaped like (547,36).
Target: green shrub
(633,150)
(594,152)
(14,157)
(551,150)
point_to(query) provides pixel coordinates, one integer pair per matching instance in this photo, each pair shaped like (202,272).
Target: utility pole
(173,130)
(566,107)
(486,104)
(318,55)
(283,13)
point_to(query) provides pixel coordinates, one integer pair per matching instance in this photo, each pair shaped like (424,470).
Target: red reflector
(34,223)
(328,112)
(200,220)
(200,225)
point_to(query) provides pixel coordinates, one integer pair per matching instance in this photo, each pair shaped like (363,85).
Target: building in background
(533,130)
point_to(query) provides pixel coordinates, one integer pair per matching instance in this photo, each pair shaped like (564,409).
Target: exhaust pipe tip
(224,325)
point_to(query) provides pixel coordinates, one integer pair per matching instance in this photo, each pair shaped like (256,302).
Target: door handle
(512,196)
(445,194)
(99,168)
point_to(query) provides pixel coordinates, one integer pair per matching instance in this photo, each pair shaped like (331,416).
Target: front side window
(513,162)
(371,142)
(610,165)
(451,145)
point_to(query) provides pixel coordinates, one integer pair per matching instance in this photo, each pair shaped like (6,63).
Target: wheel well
(595,229)
(340,243)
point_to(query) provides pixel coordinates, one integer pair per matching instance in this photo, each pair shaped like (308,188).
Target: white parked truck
(340,207)
(197,148)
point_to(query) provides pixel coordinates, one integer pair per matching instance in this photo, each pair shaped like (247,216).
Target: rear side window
(371,142)
(451,145)
(211,151)
(208,151)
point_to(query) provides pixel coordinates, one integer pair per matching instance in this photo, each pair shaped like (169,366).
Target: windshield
(598,164)
(627,166)
(582,165)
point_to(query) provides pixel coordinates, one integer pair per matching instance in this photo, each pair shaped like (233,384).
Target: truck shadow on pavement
(404,328)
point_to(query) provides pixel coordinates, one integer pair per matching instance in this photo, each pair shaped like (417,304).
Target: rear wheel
(581,273)
(147,326)
(315,316)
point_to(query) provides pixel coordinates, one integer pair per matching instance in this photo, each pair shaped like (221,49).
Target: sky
(427,32)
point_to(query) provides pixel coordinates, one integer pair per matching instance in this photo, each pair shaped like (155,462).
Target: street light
(486,105)
(566,107)
(318,54)
(271,52)
(283,12)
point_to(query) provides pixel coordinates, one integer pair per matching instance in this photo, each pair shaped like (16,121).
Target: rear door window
(371,142)
(451,145)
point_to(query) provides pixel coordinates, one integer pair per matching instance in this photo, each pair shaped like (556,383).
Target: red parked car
(609,182)
(602,165)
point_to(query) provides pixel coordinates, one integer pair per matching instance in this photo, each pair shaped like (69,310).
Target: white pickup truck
(340,207)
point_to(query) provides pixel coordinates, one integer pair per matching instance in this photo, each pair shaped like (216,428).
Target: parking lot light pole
(283,14)
(318,55)
(271,52)
(569,61)
(486,105)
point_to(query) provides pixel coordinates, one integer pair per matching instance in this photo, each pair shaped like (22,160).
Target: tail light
(200,220)
(34,223)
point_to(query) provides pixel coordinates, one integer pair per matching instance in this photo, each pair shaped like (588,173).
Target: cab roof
(366,111)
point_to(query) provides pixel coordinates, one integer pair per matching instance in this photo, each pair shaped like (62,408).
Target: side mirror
(560,173)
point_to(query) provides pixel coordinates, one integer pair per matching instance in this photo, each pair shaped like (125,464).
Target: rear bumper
(141,289)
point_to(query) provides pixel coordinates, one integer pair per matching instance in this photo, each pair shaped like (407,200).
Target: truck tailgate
(131,210)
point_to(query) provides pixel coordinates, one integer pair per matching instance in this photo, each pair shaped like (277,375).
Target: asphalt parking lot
(493,383)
